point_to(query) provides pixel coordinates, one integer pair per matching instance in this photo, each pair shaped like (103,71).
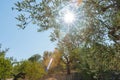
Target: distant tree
(31,70)
(5,65)
(2,52)
(46,58)
(56,59)
(35,58)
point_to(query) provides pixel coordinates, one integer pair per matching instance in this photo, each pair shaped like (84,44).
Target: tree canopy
(92,42)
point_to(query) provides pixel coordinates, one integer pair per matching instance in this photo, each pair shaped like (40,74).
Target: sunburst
(70,17)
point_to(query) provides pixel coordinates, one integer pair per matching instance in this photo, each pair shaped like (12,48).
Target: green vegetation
(32,70)
(93,51)
(5,65)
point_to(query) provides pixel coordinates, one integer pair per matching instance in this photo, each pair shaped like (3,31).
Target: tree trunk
(68,68)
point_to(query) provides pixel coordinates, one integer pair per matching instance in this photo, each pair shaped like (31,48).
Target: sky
(22,44)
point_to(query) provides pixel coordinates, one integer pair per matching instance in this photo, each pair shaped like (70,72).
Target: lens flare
(49,64)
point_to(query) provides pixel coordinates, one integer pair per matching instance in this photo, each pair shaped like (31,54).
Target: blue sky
(22,43)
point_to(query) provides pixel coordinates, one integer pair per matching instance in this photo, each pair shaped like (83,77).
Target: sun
(69,17)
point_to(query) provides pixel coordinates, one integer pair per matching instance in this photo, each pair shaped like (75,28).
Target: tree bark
(68,68)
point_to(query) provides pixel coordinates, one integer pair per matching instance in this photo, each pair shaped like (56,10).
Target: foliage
(5,68)
(69,47)
(56,62)
(42,13)
(5,65)
(33,70)
(103,19)
(46,58)
(102,35)
(94,49)
(35,58)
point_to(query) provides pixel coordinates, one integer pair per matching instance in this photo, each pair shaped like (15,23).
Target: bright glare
(69,17)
